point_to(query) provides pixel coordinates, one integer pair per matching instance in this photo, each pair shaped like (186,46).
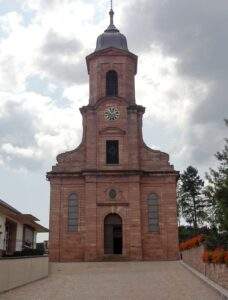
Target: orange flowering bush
(217,256)
(192,243)
(207,256)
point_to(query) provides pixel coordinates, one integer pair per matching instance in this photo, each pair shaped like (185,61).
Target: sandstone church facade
(112,196)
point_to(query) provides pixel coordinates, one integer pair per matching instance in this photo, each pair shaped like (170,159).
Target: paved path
(116,280)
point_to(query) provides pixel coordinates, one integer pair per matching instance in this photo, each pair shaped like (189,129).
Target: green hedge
(216,240)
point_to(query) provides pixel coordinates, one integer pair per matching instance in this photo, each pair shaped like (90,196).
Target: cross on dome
(111,26)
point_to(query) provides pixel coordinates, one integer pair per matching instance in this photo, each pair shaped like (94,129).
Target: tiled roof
(27,219)
(3,203)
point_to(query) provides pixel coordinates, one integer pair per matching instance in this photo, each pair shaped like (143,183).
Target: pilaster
(90,219)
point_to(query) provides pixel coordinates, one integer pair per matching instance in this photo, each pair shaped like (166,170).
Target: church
(112,197)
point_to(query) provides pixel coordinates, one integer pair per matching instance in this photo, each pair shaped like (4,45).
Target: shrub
(207,256)
(218,256)
(188,232)
(216,240)
(192,243)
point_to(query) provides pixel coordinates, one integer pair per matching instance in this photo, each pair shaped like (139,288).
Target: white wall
(2,229)
(34,240)
(19,234)
(19,237)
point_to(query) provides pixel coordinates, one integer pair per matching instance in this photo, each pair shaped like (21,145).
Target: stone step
(115,257)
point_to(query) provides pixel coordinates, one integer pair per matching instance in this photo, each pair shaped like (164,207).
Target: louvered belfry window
(112,83)
(112,152)
(153,212)
(73,212)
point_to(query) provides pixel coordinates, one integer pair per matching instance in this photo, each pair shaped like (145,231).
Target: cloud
(66,72)
(56,44)
(43,80)
(183,28)
(181,79)
(62,59)
(33,132)
(17,55)
(193,33)
(16,125)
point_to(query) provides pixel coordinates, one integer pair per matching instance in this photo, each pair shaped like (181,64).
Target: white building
(17,231)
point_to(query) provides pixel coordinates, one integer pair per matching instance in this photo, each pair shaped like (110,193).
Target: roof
(111,37)
(3,203)
(16,215)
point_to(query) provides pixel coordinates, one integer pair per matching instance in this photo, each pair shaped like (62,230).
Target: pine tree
(217,190)
(191,200)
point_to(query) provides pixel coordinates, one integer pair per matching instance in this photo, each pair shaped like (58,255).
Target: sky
(182,81)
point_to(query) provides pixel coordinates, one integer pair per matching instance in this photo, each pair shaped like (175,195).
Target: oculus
(112,194)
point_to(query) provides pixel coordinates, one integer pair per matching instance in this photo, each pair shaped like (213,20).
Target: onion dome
(111,37)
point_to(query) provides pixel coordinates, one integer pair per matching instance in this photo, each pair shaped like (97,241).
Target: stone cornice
(111,52)
(136,108)
(112,130)
(113,204)
(90,107)
(120,173)
(131,108)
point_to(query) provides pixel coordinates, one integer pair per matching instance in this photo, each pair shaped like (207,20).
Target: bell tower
(112,195)
(112,65)
(112,118)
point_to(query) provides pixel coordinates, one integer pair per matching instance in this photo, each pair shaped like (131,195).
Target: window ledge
(153,232)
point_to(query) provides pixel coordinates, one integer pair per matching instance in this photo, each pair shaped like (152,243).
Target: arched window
(73,207)
(153,212)
(111,83)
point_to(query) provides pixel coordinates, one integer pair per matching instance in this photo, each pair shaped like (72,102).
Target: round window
(112,194)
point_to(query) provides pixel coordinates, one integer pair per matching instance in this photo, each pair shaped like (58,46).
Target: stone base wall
(193,258)
(131,204)
(15,272)
(216,272)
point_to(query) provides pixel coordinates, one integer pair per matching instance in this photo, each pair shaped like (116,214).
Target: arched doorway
(113,235)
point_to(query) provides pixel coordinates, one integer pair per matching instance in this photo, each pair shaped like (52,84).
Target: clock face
(111,113)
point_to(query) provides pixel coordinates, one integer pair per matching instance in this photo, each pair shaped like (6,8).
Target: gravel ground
(116,280)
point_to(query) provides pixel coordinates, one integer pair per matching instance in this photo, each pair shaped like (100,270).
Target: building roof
(6,205)
(26,219)
(111,37)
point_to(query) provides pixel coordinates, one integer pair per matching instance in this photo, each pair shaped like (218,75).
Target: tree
(217,190)
(191,200)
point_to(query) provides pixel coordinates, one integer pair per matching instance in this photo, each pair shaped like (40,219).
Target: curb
(220,290)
